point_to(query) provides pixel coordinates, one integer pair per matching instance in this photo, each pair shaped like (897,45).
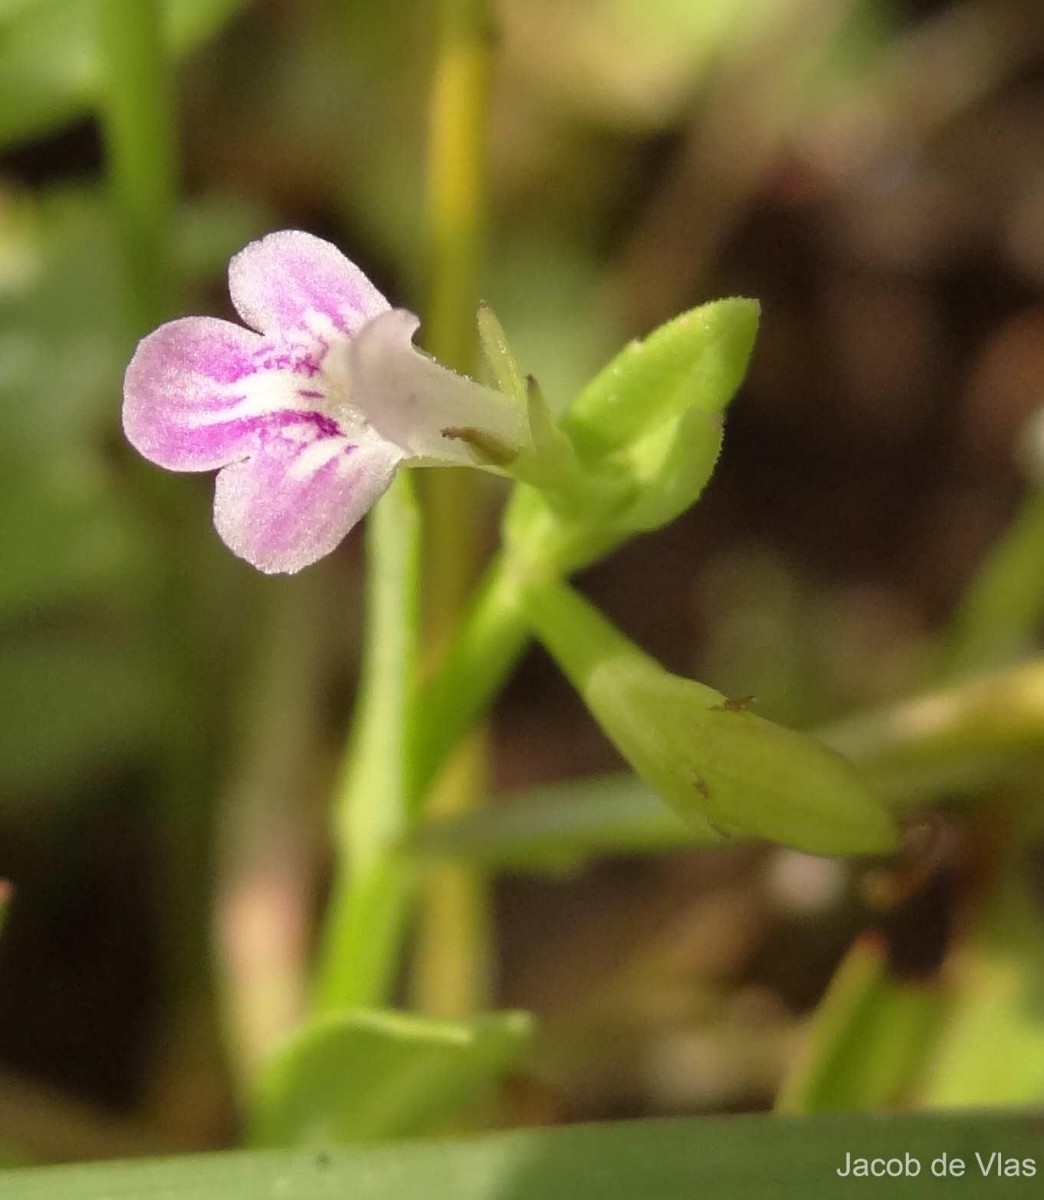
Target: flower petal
(297,498)
(179,389)
(289,281)
(199,391)
(429,412)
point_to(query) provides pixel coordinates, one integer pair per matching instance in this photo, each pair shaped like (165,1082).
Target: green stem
(138,124)
(452,944)
(488,643)
(367,910)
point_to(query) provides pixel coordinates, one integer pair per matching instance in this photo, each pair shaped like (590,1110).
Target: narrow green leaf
(561,825)
(992,1047)
(734,1158)
(869,1039)
(364,1075)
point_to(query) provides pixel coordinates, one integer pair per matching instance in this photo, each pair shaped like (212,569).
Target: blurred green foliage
(83,555)
(50,71)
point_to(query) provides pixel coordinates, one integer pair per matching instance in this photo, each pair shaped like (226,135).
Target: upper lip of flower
(309,412)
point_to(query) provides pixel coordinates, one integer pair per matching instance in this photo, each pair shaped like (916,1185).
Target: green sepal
(549,463)
(496,350)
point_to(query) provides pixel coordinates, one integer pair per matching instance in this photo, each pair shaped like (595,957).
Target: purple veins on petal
(308,413)
(199,392)
(296,359)
(305,424)
(299,496)
(183,394)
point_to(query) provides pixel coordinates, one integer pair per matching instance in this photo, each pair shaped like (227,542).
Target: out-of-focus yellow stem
(456,178)
(452,971)
(457,224)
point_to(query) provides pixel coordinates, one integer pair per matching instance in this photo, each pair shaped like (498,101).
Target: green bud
(638,445)
(696,361)
(720,765)
(668,469)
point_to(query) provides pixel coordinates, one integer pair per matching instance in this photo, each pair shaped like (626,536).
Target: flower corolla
(308,413)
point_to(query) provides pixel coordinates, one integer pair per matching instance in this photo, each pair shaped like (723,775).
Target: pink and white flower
(309,412)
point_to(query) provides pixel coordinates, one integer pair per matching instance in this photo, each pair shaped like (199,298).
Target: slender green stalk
(377,801)
(367,911)
(479,660)
(138,124)
(452,944)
